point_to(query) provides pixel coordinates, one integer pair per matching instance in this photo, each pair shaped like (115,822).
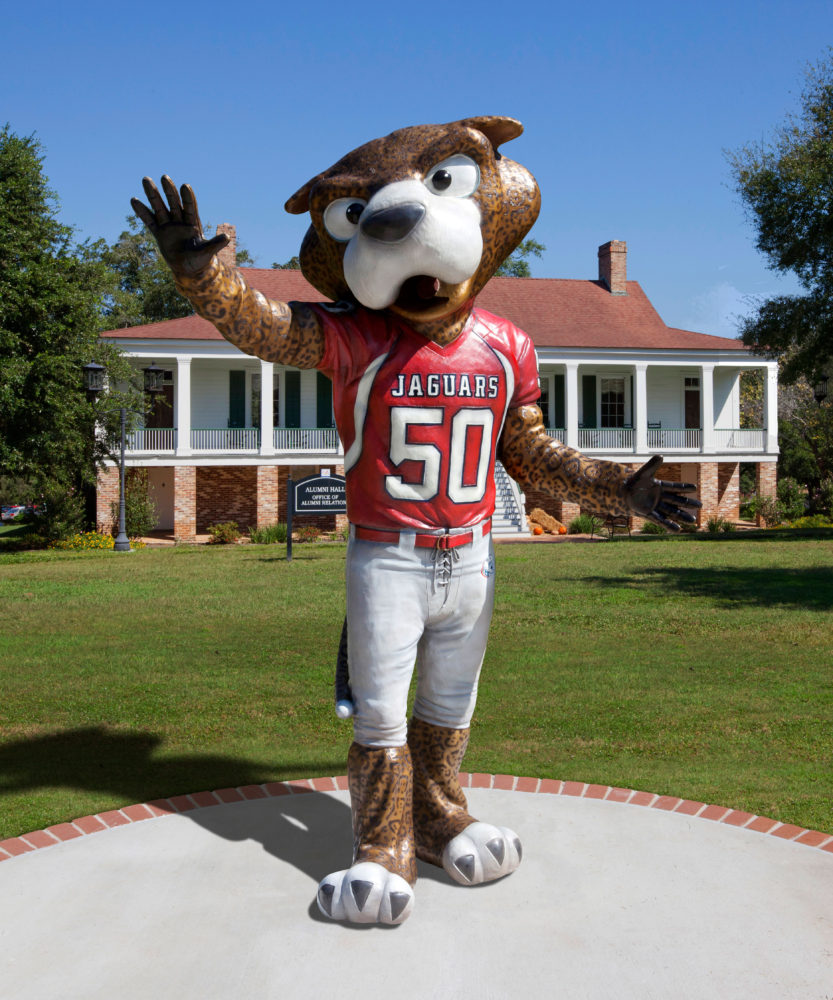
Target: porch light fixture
(820,389)
(153,378)
(93,379)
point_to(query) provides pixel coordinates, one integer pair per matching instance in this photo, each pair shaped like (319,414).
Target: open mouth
(421,294)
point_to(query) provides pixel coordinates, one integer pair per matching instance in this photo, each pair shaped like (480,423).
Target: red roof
(555,312)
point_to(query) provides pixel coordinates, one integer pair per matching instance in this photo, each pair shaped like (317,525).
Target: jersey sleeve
(346,348)
(527,389)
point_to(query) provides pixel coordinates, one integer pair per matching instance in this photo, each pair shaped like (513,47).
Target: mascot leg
(446,835)
(377,888)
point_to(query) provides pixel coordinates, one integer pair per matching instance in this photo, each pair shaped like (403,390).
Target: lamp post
(820,389)
(94,384)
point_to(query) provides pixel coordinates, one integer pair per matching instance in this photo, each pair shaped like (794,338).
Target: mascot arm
(538,461)
(273,331)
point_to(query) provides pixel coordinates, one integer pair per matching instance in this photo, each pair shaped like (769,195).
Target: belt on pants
(425,539)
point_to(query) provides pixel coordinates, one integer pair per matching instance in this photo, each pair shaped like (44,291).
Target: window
(544,401)
(612,402)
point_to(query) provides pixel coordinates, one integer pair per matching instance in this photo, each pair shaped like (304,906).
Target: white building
(616,383)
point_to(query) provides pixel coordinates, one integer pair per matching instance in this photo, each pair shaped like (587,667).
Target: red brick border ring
(27,842)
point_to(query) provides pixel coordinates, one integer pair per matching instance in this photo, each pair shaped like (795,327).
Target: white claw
(367,893)
(482,853)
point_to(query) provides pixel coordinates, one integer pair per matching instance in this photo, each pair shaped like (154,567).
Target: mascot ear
(496,128)
(299,202)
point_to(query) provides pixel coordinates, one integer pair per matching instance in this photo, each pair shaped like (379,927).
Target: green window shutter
(292,405)
(588,392)
(560,414)
(237,399)
(323,401)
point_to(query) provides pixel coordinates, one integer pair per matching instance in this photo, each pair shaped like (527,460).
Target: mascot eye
(341,217)
(456,177)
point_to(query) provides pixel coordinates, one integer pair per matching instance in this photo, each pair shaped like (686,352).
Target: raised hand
(176,227)
(658,500)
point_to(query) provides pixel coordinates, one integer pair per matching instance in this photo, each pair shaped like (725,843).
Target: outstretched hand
(176,227)
(658,500)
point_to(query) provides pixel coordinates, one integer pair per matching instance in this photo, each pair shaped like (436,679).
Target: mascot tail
(344,696)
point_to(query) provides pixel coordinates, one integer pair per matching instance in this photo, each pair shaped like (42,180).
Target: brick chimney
(228,255)
(613,266)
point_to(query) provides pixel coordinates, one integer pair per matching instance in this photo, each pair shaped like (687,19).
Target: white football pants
(410,606)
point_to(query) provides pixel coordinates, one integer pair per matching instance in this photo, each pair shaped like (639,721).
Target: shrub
(791,496)
(270,535)
(61,512)
(652,528)
(140,515)
(308,533)
(813,521)
(224,533)
(585,524)
(823,499)
(83,540)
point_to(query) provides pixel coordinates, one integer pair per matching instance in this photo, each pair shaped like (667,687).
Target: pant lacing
(444,560)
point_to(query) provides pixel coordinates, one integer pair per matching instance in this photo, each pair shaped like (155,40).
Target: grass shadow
(126,766)
(770,586)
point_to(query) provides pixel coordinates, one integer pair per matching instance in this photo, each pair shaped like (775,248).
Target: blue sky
(628,110)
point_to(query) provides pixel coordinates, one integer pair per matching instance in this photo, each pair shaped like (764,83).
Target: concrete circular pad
(612,901)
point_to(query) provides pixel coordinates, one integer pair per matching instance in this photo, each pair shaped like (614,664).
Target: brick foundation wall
(267,495)
(766,481)
(707,491)
(107,493)
(185,502)
(728,490)
(226,493)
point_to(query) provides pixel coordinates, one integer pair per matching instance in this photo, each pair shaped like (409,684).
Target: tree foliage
(50,291)
(787,187)
(141,286)
(516,264)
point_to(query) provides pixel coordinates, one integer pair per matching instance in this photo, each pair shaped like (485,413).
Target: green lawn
(694,667)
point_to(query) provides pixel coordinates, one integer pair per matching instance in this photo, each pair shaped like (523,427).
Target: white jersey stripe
(360,411)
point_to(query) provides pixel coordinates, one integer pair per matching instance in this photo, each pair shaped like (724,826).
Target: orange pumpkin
(537,530)
(562,530)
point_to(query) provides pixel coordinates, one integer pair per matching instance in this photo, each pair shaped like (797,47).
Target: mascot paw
(367,893)
(482,853)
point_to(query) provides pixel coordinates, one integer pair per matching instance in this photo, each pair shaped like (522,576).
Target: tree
(787,187)
(516,264)
(293,264)
(50,292)
(141,285)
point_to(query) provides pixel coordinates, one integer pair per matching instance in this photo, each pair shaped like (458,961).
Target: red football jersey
(420,422)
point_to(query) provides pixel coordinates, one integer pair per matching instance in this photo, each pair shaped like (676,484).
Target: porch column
(707,409)
(267,416)
(771,407)
(640,408)
(571,404)
(185,502)
(183,405)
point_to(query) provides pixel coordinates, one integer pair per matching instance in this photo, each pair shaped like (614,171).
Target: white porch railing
(605,438)
(674,439)
(225,439)
(151,439)
(740,439)
(306,439)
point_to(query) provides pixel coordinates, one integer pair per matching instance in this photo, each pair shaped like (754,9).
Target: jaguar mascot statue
(428,390)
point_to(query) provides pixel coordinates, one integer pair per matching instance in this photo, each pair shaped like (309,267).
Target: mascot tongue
(427,288)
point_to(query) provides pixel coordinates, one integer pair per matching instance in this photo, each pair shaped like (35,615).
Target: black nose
(389,225)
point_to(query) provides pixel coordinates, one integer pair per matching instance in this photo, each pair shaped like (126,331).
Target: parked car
(9,512)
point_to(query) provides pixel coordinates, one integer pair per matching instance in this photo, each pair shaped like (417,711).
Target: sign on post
(317,494)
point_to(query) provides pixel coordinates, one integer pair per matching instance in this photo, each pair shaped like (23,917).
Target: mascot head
(418,221)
